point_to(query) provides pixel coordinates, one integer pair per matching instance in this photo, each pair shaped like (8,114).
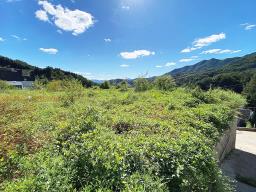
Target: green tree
(230,81)
(250,92)
(165,83)
(141,84)
(123,86)
(105,85)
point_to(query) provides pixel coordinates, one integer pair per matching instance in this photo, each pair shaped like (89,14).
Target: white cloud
(126,7)
(159,66)
(42,15)
(15,36)
(51,51)
(169,64)
(248,26)
(124,65)
(2,39)
(203,42)
(136,54)
(107,40)
(186,60)
(59,31)
(75,21)
(19,38)
(189,49)
(220,51)
(85,74)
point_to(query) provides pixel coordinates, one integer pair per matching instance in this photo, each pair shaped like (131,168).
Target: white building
(21,84)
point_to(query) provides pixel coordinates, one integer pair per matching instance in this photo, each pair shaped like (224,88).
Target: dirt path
(241,163)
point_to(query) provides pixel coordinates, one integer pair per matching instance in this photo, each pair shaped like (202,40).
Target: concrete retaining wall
(227,142)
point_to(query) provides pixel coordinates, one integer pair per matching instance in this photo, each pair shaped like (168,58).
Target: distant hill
(16,70)
(231,73)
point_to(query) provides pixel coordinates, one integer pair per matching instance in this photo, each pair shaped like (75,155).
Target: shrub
(5,86)
(40,83)
(141,84)
(165,83)
(105,85)
(123,86)
(151,141)
(56,85)
(73,91)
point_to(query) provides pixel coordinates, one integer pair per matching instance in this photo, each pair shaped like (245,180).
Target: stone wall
(227,142)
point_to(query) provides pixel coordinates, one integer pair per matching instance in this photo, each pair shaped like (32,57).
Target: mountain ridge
(16,70)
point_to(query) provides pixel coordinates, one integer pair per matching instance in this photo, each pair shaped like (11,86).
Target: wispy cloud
(2,39)
(186,60)
(19,38)
(169,64)
(220,51)
(136,54)
(107,40)
(51,51)
(124,65)
(59,31)
(248,26)
(126,7)
(85,74)
(76,21)
(203,42)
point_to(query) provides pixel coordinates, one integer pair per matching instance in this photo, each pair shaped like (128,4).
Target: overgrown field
(108,140)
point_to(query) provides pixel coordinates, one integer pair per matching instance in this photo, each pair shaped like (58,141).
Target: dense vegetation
(232,73)
(66,138)
(16,70)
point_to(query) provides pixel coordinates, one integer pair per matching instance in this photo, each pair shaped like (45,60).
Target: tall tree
(250,92)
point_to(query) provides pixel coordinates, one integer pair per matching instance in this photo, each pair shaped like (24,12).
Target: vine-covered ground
(108,140)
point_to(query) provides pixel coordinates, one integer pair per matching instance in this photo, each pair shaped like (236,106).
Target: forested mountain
(231,73)
(15,70)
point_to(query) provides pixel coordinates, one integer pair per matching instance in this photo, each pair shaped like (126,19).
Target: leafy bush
(56,85)
(5,86)
(113,141)
(105,85)
(123,86)
(73,91)
(141,84)
(165,83)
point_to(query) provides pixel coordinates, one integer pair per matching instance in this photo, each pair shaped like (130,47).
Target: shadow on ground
(241,165)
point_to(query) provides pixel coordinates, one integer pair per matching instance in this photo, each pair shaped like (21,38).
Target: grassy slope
(110,140)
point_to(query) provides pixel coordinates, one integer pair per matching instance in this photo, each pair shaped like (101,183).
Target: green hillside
(16,70)
(231,73)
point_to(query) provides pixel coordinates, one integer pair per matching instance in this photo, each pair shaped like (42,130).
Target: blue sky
(104,39)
